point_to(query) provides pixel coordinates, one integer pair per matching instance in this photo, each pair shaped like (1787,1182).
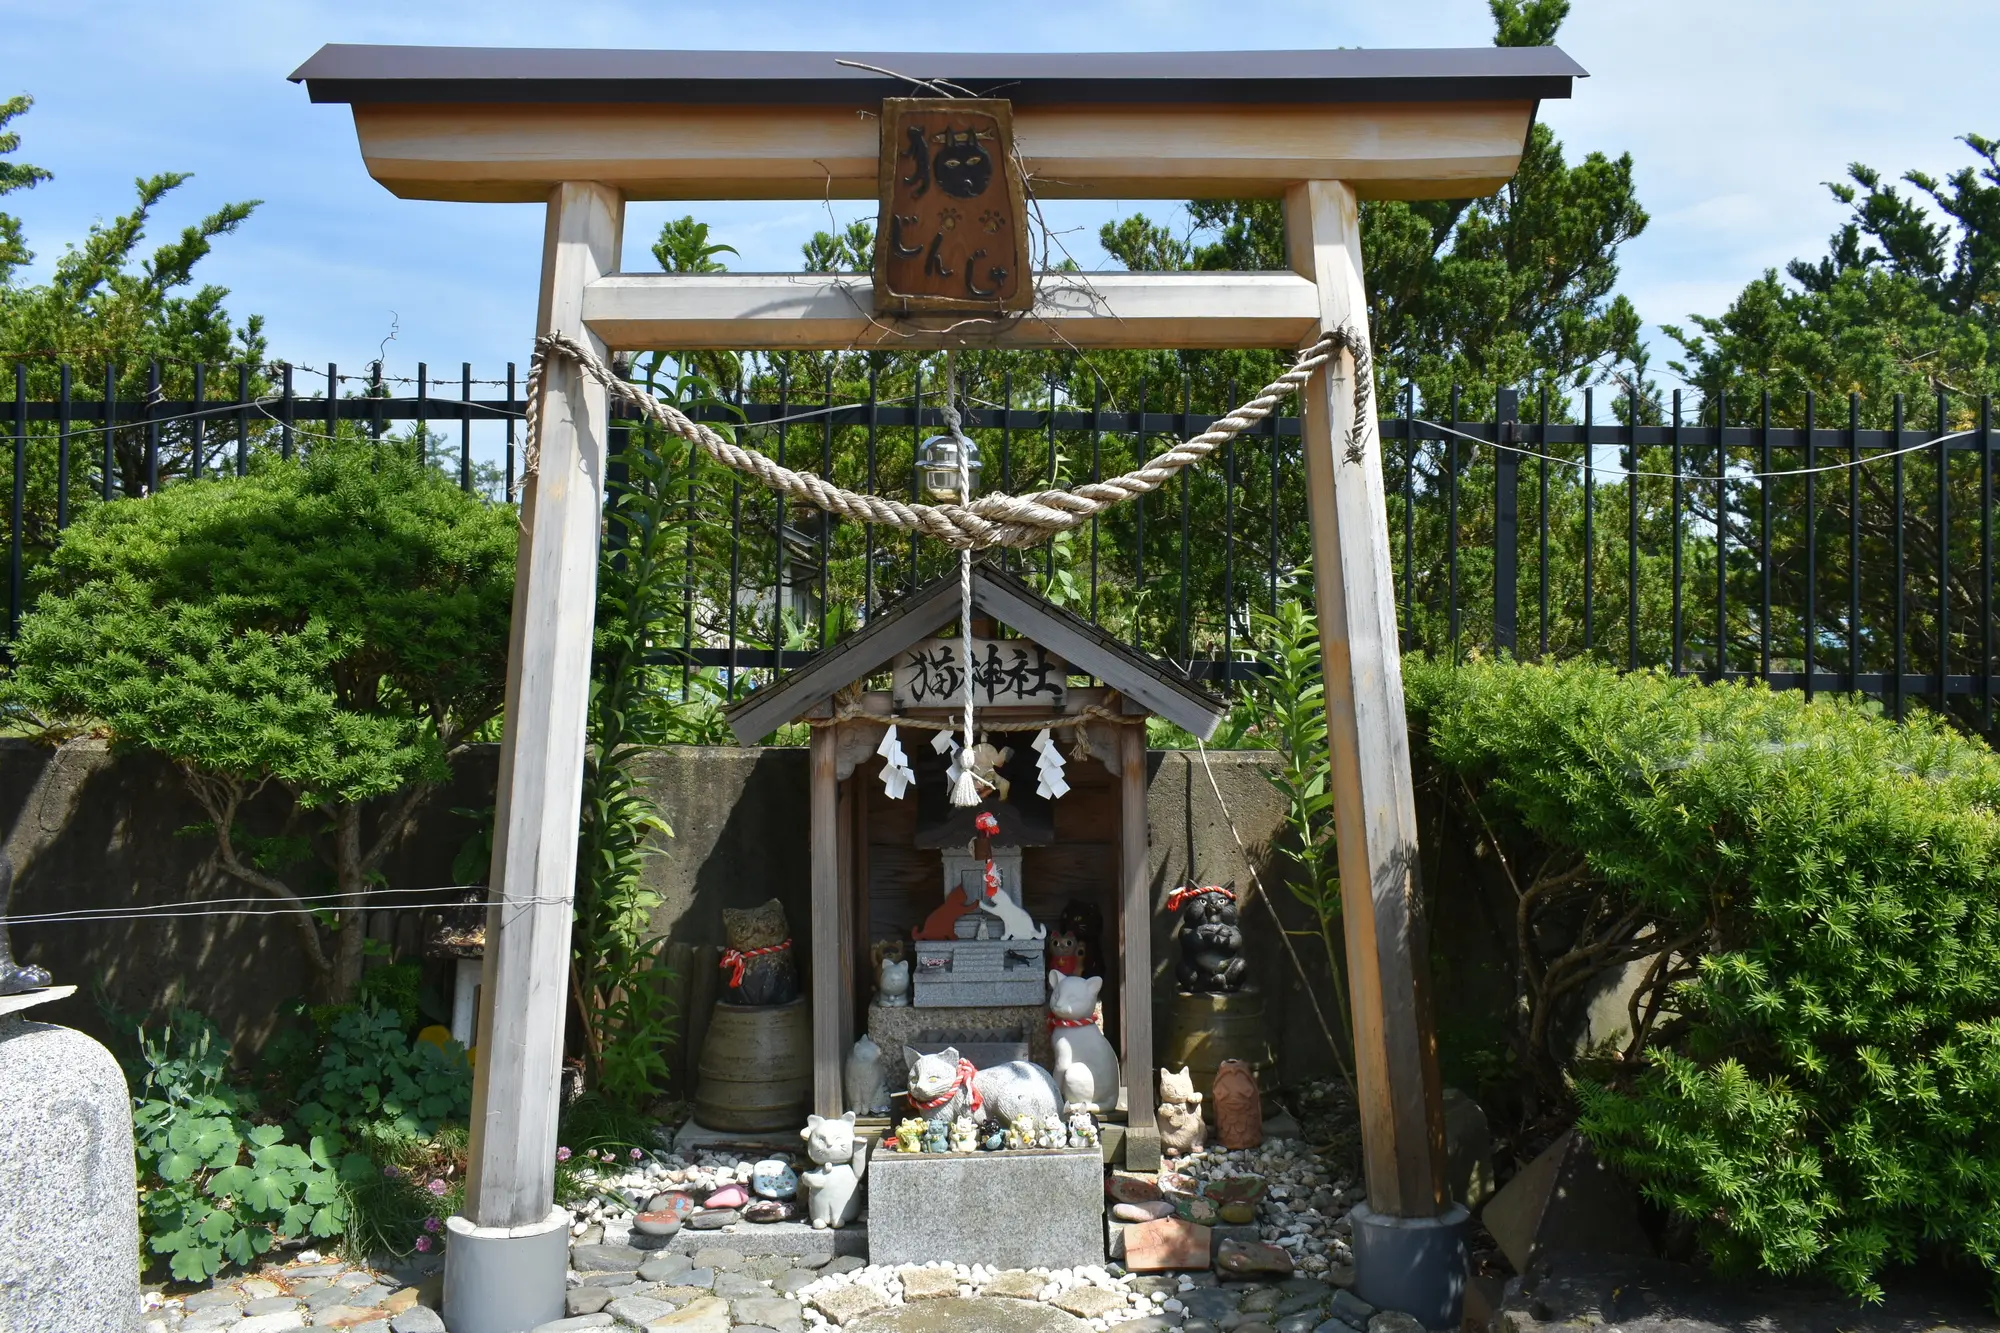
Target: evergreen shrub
(1819,1095)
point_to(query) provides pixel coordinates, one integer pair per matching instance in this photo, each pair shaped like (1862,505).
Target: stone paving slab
(773,1312)
(961,1315)
(575,1324)
(794,1240)
(710,1314)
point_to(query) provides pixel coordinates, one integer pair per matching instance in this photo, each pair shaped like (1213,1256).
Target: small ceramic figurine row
(1010,1105)
(964,1134)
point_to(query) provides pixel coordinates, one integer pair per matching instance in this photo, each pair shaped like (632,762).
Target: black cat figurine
(14,977)
(1211,943)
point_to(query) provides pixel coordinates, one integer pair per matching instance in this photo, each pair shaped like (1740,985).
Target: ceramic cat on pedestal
(833,1187)
(944,1087)
(758,964)
(892,984)
(1076,1039)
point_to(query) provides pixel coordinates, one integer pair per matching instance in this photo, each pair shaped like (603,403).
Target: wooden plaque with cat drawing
(953,230)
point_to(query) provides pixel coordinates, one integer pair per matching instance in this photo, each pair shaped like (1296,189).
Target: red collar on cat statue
(1181,895)
(962,1078)
(733,960)
(1055,1023)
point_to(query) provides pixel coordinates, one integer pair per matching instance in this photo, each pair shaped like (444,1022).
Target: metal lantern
(939,458)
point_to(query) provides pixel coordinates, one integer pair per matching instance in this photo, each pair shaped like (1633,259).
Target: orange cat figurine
(940,924)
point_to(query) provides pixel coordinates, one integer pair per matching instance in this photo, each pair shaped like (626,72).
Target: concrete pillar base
(505,1279)
(1412,1264)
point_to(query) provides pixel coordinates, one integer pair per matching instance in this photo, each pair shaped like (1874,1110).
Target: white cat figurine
(1076,1040)
(867,1089)
(833,1188)
(1015,924)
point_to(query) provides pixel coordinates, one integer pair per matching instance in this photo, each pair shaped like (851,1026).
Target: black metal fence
(1817,556)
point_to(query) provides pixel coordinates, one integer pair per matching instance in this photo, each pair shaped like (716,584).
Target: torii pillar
(1409,1237)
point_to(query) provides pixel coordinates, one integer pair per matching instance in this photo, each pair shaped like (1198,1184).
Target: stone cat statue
(833,1186)
(892,983)
(942,1086)
(1181,1129)
(867,1089)
(1077,1040)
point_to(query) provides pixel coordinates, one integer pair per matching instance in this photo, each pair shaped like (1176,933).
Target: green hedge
(1822,1096)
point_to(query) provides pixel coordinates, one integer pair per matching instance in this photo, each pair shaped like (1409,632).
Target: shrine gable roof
(902,625)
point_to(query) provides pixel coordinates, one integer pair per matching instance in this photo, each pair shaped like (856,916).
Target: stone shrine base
(1008,1209)
(894,1026)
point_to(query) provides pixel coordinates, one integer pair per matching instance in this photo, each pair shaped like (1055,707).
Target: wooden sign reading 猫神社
(953,231)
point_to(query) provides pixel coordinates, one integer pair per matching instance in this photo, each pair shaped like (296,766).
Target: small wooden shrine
(884,868)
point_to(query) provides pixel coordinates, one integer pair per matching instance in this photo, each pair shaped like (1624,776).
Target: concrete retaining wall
(87,828)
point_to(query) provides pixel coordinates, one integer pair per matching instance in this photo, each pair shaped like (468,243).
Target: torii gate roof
(507,124)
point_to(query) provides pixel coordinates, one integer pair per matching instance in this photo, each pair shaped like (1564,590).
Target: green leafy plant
(1288,701)
(216,1189)
(371,1073)
(1807,896)
(639,701)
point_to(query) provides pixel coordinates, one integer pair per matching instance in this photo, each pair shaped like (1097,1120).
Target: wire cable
(1579,464)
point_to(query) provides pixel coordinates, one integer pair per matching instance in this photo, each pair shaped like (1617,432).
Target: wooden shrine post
(510,1184)
(1135,929)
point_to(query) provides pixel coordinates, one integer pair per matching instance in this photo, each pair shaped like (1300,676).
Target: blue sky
(1735,112)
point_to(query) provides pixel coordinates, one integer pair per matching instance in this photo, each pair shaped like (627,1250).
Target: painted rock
(729,1196)
(1166,1245)
(774,1179)
(1142,1212)
(1130,1187)
(770,1210)
(673,1201)
(1252,1258)
(1237,1213)
(712,1219)
(664,1223)
(1232,1189)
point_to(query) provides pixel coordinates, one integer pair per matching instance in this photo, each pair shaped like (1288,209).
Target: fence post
(1506,521)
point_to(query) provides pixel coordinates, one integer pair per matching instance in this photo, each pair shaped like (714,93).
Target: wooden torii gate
(583,131)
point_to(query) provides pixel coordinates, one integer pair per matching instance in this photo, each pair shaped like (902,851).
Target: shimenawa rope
(990,520)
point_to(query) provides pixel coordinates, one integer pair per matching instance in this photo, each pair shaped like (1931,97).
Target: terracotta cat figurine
(1181,1129)
(1238,1107)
